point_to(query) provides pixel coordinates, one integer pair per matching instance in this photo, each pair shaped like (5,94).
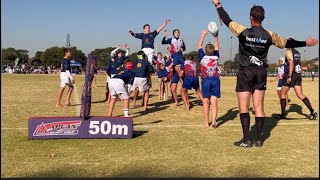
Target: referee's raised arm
(234,27)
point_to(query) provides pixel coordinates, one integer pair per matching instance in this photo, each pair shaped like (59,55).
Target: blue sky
(39,24)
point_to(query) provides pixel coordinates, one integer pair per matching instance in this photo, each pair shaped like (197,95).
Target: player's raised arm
(164,41)
(234,27)
(163,25)
(115,50)
(216,43)
(127,51)
(132,33)
(136,35)
(203,35)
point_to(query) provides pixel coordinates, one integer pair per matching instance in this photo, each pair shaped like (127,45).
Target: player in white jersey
(281,70)
(210,78)
(190,80)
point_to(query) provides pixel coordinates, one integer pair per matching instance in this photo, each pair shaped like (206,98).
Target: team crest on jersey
(139,65)
(58,128)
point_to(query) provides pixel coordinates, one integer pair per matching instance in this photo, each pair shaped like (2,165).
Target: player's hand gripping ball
(213,28)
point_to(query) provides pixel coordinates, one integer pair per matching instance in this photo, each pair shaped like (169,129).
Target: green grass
(169,142)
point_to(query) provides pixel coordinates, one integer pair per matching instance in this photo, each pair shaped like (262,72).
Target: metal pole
(231,48)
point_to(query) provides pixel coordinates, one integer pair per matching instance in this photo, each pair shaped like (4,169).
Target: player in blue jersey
(141,68)
(117,87)
(65,78)
(163,72)
(147,39)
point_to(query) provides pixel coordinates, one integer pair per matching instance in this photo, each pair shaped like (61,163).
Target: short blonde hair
(209,49)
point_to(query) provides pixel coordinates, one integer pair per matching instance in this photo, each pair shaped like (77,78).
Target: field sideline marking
(77,100)
(182,125)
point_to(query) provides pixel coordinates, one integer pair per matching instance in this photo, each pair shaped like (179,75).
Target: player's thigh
(258,99)
(244,101)
(214,101)
(298,91)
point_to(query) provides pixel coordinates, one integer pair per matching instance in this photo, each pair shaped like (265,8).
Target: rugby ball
(213,28)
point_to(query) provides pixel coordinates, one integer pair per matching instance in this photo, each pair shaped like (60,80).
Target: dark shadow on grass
(150,110)
(97,102)
(229,116)
(138,133)
(297,108)
(271,122)
(69,171)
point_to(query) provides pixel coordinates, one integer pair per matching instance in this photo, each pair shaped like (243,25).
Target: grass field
(168,141)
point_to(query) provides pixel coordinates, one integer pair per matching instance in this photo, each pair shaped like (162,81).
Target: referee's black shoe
(258,143)
(243,143)
(281,116)
(313,116)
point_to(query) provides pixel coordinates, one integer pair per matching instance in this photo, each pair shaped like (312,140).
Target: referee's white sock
(126,112)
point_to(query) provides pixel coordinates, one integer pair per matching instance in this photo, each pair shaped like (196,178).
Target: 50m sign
(105,128)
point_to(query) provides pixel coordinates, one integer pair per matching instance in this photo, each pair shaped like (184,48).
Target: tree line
(52,57)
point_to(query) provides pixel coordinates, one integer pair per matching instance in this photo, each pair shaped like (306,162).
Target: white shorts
(160,80)
(117,87)
(149,53)
(141,84)
(130,87)
(65,80)
(108,78)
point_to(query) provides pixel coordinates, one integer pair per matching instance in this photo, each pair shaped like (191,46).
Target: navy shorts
(211,87)
(179,61)
(175,78)
(190,82)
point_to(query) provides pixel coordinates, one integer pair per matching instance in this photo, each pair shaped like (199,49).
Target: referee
(254,43)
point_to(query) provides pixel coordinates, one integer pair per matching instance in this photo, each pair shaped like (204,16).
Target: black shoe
(243,143)
(258,143)
(313,116)
(281,116)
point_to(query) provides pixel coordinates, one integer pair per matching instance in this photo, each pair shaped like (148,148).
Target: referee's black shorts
(296,80)
(251,78)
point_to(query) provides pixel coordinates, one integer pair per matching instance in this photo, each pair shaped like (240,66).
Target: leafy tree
(229,65)
(194,54)
(78,55)
(23,55)
(271,67)
(103,55)
(52,56)
(9,55)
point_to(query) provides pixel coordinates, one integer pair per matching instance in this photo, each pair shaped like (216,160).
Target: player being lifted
(147,39)
(177,46)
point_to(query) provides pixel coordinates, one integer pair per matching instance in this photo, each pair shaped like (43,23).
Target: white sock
(126,112)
